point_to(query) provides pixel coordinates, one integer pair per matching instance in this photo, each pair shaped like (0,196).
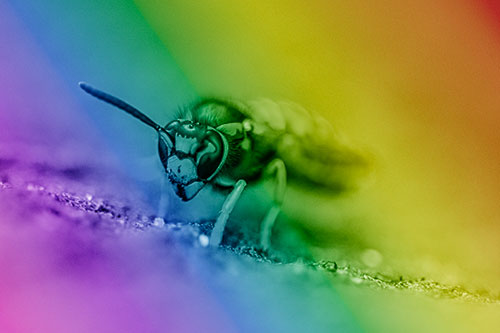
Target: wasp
(229,144)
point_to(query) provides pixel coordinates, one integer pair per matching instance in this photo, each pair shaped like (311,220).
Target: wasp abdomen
(307,143)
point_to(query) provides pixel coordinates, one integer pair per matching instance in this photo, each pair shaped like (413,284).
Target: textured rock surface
(78,237)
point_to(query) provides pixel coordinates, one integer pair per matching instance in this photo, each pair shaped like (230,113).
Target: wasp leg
(276,167)
(163,203)
(227,208)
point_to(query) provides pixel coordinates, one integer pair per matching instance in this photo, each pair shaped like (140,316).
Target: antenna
(119,104)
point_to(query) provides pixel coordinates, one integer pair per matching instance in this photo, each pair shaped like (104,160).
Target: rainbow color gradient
(414,84)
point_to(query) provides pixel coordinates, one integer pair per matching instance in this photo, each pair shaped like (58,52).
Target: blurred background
(414,84)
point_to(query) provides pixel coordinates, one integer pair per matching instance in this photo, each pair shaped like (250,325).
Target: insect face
(192,155)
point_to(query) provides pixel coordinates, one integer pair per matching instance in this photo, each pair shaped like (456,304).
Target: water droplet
(371,257)
(203,239)
(356,280)
(158,222)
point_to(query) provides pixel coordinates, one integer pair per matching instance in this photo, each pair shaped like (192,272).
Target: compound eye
(211,156)
(164,146)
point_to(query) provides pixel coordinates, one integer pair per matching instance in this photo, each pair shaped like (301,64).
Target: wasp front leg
(227,208)
(150,170)
(164,201)
(278,169)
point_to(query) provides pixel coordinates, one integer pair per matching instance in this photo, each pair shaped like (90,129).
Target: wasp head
(192,155)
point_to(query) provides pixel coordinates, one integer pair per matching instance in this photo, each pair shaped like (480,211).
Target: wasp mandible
(227,144)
